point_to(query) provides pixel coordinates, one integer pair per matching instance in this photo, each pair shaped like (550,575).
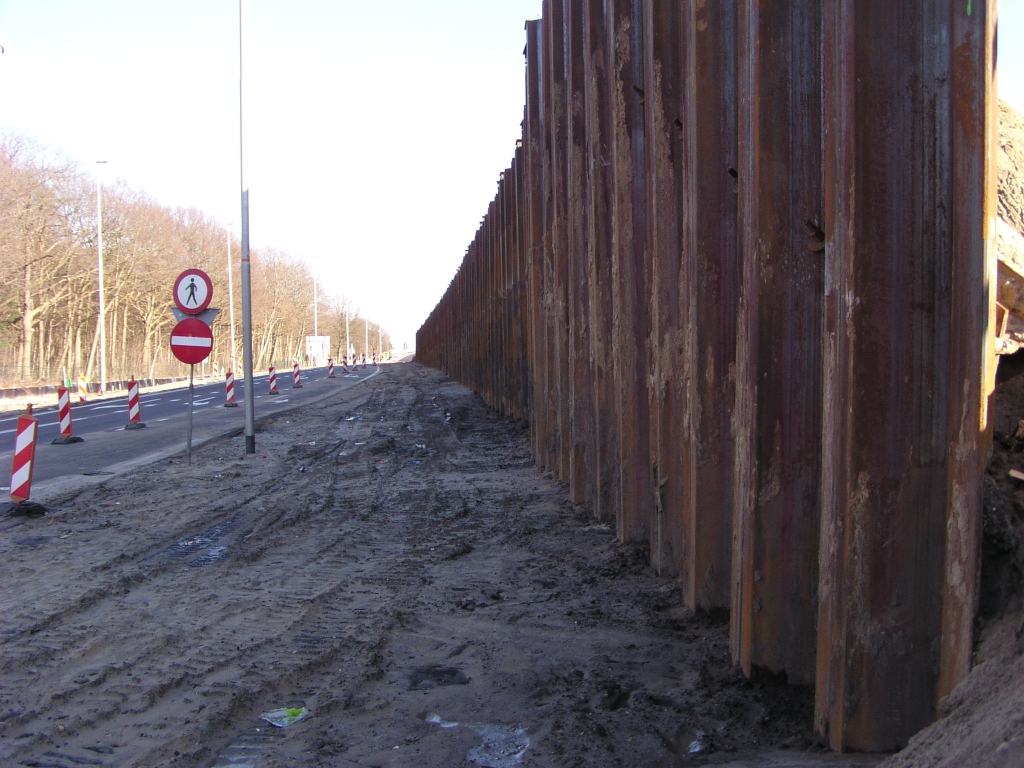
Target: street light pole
(99,265)
(250,390)
(231,303)
(316,328)
(347,346)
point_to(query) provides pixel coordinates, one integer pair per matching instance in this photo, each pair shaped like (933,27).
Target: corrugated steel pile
(737,278)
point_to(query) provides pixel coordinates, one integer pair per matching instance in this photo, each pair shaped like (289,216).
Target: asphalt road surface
(108,448)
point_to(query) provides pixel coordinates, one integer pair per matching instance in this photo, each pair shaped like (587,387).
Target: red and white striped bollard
(134,409)
(330,367)
(273,380)
(229,390)
(24,456)
(296,375)
(64,414)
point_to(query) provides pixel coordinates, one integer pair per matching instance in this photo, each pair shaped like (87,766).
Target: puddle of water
(204,549)
(503,746)
(435,676)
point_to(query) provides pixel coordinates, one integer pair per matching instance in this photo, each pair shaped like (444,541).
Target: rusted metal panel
(581,394)
(708,125)
(777,424)
(902,375)
(553,307)
(629,279)
(972,365)
(665,50)
(857,286)
(534,226)
(598,129)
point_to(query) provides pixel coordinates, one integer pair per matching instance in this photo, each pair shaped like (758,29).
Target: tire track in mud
(325,613)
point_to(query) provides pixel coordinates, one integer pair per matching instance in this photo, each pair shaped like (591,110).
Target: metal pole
(188,444)
(231,304)
(366,341)
(347,347)
(99,251)
(316,328)
(250,402)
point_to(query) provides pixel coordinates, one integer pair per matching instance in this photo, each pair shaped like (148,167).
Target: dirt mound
(1010,163)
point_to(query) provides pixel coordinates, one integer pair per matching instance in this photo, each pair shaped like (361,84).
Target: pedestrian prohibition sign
(191,341)
(193,291)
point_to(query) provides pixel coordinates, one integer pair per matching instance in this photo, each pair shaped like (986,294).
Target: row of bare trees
(49,307)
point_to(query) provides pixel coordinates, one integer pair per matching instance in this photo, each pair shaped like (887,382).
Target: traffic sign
(191,341)
(193,291)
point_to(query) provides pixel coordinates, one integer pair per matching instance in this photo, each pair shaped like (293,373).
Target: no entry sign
(191,341)
(193,291)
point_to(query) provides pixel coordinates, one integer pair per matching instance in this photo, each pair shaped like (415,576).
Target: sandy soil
(391,561)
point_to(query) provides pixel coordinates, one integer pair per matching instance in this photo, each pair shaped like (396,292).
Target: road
(108,448)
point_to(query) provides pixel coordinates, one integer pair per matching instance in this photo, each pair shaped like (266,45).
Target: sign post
(192,339)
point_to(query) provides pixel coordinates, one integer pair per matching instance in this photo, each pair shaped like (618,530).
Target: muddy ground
(389,560)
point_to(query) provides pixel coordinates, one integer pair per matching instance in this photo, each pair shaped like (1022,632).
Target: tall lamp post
(99,265)
(231,303)
(249,394)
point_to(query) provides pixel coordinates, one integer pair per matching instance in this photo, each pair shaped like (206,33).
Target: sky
(374,133)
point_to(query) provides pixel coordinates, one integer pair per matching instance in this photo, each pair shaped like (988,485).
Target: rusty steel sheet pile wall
(738,280)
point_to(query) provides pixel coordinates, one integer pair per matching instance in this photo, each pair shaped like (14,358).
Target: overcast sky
(374,132)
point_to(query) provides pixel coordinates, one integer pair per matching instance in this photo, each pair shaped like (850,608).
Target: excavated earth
(391,561)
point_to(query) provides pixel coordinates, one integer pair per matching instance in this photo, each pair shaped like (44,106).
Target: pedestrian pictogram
(193,291)
(191,341)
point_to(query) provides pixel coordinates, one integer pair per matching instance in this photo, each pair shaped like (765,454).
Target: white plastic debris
(282,718)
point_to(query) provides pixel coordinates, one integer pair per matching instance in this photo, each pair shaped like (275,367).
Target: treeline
(49,306)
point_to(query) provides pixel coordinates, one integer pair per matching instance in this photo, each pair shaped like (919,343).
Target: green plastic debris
(282,718)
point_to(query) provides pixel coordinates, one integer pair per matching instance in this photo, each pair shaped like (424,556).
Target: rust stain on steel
(534,235)
(904,364)
(581,466)
(669,378)
(972,364)
(629,291)
(778,414)
(707,125)
(597,156)
(670,271)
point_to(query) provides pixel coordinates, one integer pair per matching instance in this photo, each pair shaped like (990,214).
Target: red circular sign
(193,291)
(191,341)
